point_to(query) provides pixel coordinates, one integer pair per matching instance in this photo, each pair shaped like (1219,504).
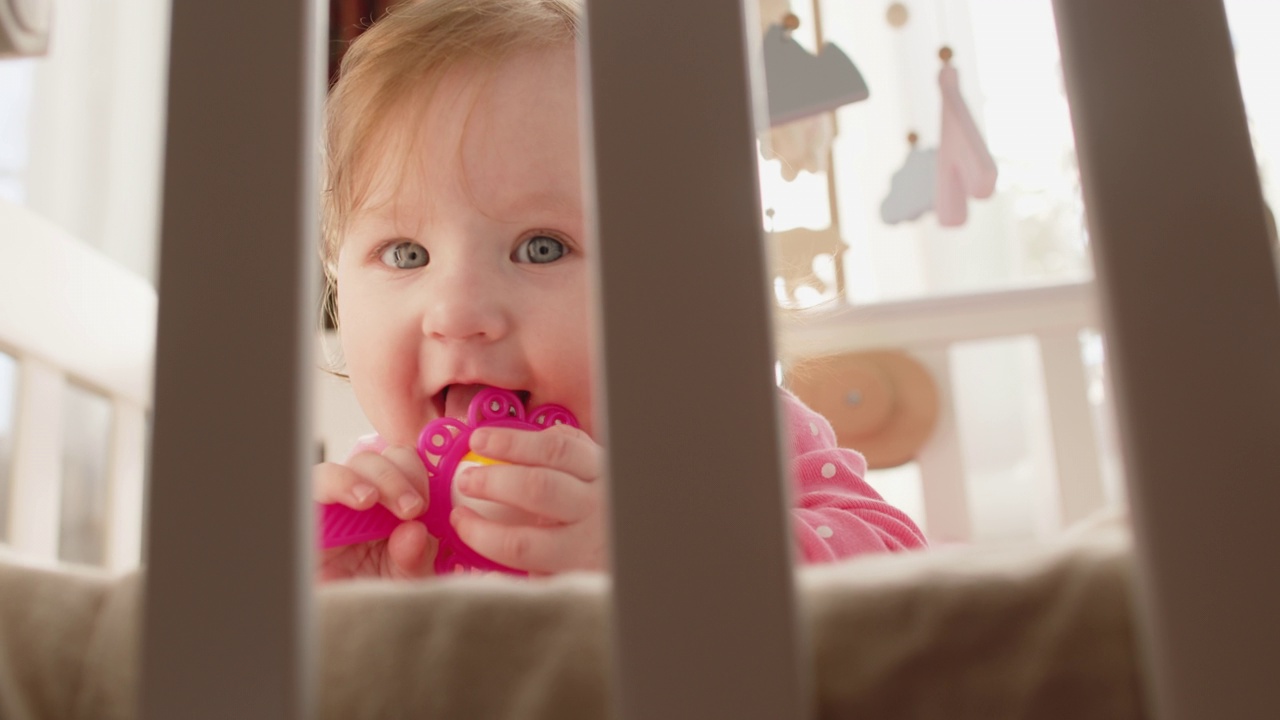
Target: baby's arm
(837,514)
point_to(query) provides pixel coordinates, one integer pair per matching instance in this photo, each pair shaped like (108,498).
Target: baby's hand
(554,474)
(394,478)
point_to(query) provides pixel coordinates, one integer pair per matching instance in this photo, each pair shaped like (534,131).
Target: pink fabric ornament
(965,166)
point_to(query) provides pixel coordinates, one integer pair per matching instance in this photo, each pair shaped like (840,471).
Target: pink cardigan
(837,513)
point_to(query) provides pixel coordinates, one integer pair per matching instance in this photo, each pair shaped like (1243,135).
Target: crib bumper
(957,633)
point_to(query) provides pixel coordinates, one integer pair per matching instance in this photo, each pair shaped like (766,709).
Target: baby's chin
(403,431)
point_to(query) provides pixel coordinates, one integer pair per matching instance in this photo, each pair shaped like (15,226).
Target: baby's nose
(467,307)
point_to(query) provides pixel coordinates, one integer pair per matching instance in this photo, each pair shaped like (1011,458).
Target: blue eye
(540,249)
(405,256)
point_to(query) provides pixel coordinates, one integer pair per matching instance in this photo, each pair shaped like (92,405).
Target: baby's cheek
(488,509)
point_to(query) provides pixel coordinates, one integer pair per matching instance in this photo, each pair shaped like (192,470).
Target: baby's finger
(548,493)
(407,460)
(334,483)
(411,552)
(395,490)
(562,447)
(524,547)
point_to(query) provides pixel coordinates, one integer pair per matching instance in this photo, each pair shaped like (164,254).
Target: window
(1032,230)
(82,128)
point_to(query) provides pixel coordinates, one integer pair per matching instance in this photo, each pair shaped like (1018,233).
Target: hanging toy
(912,189)
(897,14)
(444,448)
(800,146)
(965,166)
(801,84)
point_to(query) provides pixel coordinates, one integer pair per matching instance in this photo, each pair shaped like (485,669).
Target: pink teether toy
(443,446)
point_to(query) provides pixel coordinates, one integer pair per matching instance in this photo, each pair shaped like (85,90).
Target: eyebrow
(537,201)
(383,214)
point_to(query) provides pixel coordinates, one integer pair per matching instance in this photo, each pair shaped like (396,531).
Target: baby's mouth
(454,400)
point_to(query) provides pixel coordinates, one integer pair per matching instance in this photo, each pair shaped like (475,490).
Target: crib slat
(36,492)
(230,519)
(1075,450)
(1192,313)
(704,609)
(947,516)
(125,478)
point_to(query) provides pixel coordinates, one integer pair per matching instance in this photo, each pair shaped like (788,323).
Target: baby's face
(471,267)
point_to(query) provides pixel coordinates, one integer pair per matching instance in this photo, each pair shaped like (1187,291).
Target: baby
(456,249)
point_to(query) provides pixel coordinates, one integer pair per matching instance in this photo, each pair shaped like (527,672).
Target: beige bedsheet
(1016,632)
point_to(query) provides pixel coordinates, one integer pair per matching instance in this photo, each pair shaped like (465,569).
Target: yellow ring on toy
(476,459)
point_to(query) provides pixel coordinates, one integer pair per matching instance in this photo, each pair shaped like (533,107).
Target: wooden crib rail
(229,539)
(704,618)
(940,320)
(1190,303)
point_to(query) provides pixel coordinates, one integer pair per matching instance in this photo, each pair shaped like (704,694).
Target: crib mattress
(981,632)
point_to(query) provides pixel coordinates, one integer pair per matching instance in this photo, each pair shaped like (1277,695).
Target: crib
(91,326)
(1168,300)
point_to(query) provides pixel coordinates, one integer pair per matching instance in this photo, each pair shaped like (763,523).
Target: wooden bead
(790,21)
(913,138)
(897,15)
(945,53)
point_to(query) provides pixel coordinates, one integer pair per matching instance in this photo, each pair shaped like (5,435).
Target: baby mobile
(941,179)
(803,90)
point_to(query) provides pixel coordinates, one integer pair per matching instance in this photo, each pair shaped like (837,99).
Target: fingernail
(479,440)
(362,492)
(409,503)
(453,517)
(464,481)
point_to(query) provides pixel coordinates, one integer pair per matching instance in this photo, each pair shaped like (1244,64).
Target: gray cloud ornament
(801,84)
(911,192)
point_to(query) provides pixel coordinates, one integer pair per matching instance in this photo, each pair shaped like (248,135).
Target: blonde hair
(405,51)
